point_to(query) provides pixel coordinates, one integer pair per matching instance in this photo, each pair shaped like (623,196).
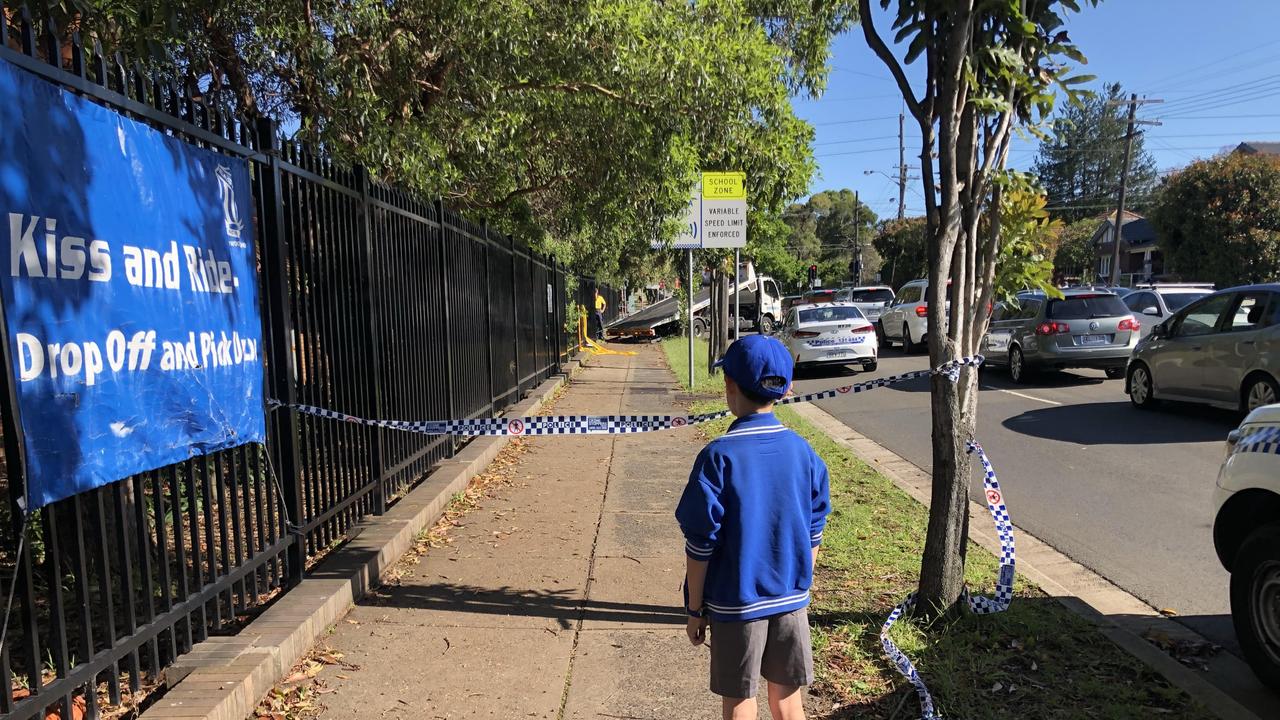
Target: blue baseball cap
(759,364)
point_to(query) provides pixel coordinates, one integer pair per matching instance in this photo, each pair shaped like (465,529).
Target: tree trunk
(942,566)
(726,312)
(710,317)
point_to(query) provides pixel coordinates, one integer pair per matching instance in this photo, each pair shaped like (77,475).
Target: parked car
(1151,304)
(1083,329)
(1221,350)
(820,296)
(1246,536)
(870,299)
(830,334)
(906,320)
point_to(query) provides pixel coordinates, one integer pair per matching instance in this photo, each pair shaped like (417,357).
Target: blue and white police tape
(606,424)
(977,603)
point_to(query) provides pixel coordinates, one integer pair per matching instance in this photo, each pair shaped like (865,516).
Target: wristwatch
(699,613)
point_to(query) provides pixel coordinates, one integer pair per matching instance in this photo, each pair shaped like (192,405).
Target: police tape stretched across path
(606,424)
(623,424)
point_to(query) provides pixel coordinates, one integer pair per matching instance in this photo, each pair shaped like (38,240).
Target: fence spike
(77,55)
(28,32)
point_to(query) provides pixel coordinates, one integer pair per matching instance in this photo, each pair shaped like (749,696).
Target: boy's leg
(787,663)
(736,649)
(738,708)
(785,702)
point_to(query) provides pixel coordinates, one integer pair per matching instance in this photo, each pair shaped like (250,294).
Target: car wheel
(1141,391)
(1018,371)
(1260,391)
(881,340)
(870,367)
(1255,602)
(908,346)
(766,325)
(1114,373)
(699,328)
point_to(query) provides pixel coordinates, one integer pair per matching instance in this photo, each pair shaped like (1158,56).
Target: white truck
(761,309)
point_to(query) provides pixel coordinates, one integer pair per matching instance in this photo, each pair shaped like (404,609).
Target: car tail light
(1128,323)
(1053,327)
(922,310)
(806,334)
(863,329)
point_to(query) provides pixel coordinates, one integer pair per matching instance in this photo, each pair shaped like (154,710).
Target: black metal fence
(375,303)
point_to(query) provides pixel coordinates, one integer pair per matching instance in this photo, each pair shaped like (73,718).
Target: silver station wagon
(1083,329)
(1221,350)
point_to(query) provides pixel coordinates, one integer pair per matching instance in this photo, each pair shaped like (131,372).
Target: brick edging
(223,678)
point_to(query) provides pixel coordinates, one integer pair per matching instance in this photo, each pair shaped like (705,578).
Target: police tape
(980,605)
(622,424)
(604,424)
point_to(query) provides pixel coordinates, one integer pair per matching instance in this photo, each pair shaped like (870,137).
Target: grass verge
(1036,660)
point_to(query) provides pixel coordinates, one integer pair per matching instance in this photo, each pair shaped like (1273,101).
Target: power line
(858,120)
(1211,63)
(859,140)
(857,152)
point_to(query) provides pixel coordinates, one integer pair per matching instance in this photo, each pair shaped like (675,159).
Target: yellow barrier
(586,343)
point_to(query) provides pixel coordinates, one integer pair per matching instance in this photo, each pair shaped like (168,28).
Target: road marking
(1022,395)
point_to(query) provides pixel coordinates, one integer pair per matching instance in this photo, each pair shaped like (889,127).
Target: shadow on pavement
(563,606)
(1119,423)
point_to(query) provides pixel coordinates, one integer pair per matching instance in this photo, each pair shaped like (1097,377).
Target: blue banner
(130,292)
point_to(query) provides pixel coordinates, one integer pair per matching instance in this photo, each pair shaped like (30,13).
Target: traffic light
(813,274)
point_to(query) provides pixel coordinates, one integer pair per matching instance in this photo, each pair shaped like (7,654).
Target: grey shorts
(776,647)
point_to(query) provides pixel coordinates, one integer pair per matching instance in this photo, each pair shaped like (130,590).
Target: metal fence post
(445,314)
(515,317)
(279,320)
(373,368)
(488,320)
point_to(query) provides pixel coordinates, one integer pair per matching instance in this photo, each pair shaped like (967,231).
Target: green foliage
(822,232)
(579,124)
(905,248)
(1027,237)
(1079,165)
(768,245)
(1075,254)
(1219,220)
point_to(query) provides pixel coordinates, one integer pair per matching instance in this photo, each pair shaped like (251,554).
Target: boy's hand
(697,630)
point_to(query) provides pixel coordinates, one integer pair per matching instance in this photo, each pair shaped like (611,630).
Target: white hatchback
(1246,535)
(830,334)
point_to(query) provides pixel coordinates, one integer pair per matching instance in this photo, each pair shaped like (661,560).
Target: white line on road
(1022,395)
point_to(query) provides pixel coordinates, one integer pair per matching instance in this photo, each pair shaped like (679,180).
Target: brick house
(1140,256)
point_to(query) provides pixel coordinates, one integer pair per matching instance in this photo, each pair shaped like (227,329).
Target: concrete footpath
(559,597)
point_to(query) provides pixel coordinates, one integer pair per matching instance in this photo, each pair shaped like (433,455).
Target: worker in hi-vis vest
(600,306)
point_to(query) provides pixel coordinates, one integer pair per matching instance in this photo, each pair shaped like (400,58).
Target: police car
(1246,535)
(830,333)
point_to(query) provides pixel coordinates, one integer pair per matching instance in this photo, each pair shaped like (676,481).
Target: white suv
(1246,535)
(906,320)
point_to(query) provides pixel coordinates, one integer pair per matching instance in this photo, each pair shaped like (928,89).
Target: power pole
(1124,180)
(857,240)
(902,171)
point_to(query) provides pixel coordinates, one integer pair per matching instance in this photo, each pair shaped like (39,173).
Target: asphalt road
(1123,491)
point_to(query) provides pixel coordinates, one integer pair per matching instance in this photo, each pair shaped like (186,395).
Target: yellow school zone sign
(724,186)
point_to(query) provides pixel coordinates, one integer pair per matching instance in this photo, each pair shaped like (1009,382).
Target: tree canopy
(823,229)
(1079,164)
(1219,220)
(904,246)
(584,123)
(1075,255)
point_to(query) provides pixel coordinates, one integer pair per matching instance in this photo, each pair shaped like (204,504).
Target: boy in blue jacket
(752,517)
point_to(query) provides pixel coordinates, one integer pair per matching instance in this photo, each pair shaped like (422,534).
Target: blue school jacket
(754,509)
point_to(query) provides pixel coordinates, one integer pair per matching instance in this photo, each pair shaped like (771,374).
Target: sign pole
(737,293)
(689,328)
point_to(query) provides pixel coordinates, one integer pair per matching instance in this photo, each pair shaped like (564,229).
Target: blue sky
(1217,67)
